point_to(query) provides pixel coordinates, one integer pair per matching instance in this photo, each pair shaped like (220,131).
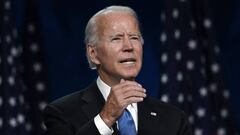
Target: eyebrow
(134,34)
(117,35)
(122,34)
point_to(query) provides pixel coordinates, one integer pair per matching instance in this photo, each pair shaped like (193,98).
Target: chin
(129,76)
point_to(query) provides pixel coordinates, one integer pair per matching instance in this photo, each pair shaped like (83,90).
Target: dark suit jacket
(74,115)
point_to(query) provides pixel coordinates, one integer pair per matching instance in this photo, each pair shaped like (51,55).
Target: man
(114,48)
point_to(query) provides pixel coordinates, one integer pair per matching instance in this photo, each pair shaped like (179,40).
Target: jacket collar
(94,101)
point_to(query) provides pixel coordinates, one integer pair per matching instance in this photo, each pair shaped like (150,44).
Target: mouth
(128,61)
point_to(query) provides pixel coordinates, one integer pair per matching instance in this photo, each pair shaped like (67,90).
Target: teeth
(128,62)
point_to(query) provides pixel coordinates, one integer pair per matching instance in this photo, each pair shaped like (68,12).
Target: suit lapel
(94,101)
(147,118)
(142,116)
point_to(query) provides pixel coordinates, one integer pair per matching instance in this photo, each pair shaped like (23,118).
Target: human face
(118,52)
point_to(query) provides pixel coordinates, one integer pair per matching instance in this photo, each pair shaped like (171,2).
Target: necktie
(126,124)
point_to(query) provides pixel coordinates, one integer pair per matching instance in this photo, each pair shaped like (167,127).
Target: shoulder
(74,99)
(67,102)
(68,99)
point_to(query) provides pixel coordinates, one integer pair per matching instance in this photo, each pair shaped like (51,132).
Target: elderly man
(115,103)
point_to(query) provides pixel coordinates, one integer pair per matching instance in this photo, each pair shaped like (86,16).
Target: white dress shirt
(100,124)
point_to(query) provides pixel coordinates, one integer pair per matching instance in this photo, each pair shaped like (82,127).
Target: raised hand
(121,95)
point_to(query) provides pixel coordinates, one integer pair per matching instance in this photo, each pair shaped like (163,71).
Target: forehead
(116,15)
(117,21)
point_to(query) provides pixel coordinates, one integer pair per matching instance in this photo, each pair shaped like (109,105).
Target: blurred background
(191,58)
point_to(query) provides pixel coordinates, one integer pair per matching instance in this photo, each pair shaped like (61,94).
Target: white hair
(91,30)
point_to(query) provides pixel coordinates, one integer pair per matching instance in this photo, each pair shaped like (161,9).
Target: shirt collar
(103,87)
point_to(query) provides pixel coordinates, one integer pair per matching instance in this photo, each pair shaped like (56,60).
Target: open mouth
(128,61)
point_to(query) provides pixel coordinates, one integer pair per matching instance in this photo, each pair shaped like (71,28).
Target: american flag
(191,76)
(23,85)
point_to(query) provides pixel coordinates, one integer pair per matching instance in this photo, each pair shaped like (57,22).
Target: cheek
(107,56)
(140,55)
(140,52)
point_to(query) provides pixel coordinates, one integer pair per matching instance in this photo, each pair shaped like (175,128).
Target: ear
(92,53)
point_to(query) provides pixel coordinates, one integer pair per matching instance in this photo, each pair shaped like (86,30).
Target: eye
(116,39)
(134,38)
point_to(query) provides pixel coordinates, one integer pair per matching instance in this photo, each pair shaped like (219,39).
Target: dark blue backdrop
(62,24)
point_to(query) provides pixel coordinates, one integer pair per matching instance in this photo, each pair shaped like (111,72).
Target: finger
(133,82)
(127,82)
(133,100)
(133,88)
(121,86)
(128,91)
(132,93)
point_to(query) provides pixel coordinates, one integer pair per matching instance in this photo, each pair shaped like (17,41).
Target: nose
(127,45)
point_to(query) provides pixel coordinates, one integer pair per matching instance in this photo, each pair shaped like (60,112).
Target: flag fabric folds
(23,87)
(191,76)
